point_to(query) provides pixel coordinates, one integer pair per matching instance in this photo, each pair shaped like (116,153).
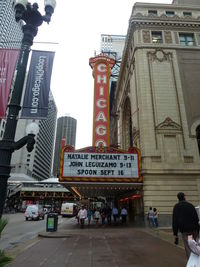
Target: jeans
(151,222)
(156,222)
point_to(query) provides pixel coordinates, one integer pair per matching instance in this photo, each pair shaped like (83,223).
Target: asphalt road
(18,231)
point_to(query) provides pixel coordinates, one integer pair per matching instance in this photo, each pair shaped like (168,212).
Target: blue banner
(36,96)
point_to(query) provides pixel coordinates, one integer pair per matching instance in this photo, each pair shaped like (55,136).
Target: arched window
(198,136)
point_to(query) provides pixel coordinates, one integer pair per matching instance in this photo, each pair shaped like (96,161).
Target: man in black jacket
(185,220)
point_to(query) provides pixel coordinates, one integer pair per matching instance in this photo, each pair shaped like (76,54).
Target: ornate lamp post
(32,20)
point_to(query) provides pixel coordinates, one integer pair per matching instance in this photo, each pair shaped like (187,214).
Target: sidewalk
(119,246)
(163,233)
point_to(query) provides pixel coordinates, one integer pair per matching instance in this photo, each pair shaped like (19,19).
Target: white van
(68,209)
(34,212)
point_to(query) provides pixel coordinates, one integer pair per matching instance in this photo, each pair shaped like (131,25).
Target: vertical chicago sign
(100,163)
(101,66)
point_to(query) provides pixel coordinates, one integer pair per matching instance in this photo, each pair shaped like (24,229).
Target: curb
(53,235)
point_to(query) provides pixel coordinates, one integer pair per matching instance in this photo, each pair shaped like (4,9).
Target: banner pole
(33,19)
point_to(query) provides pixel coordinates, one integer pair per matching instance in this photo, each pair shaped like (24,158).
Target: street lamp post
(32,20)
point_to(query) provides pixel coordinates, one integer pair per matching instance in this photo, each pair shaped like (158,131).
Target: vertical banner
(101,66)
(36,96)
(8,60)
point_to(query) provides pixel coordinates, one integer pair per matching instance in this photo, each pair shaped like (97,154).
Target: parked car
(34,212)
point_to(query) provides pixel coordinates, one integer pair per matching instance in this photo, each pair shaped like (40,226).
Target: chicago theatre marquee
(103,170)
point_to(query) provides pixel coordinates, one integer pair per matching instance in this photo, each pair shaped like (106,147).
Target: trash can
(52,222)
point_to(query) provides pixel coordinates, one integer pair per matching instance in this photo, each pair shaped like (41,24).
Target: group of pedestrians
(152,217)
(101,215)
(185,220)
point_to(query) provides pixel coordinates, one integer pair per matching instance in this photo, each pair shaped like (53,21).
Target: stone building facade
(157,100)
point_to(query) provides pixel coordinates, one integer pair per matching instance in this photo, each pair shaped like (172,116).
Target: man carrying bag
(185,220)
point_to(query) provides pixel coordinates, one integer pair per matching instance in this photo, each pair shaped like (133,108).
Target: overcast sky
(77,27)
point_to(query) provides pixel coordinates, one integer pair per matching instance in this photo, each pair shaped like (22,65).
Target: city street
(18,231)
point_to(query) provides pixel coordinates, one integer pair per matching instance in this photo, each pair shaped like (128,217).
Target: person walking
(97,217)
(77,216)
(103,217)
(124,214)
(89,215)
(82,215)
(155,217)
(185,220)
(108,214)
(115,214)
(150,217)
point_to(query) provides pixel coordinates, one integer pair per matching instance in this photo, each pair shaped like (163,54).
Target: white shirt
(97,214)
(82,214)
(114,211)
(124,212)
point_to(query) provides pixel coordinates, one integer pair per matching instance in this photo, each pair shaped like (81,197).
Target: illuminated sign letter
(101,130)
(100,143)
(101,78)
(102,68)
(101,90)
(101,103)
(101,117)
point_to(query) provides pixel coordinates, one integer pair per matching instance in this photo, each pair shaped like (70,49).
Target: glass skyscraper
(66,129)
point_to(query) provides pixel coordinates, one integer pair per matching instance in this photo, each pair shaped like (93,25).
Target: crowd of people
(102,216)
(185,219)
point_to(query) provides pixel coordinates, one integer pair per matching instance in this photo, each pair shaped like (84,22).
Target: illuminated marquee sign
(108,165)
(102,66)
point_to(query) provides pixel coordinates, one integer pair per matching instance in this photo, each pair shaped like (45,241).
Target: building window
(186,39)
(198,137)
(170,13)
(157,37)
(187,14)
(153,12)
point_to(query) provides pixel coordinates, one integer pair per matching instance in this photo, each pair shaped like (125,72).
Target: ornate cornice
(160,55)
(165,17)
(163,20)
(168,125)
